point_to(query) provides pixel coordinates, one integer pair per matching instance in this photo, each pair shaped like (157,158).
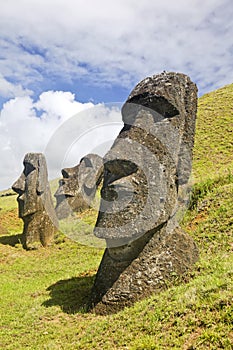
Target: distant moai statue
(35,204)
(146,173)
(78,186)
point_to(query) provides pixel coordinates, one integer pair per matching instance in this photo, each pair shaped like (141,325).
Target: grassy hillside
(44,293)
(213,153)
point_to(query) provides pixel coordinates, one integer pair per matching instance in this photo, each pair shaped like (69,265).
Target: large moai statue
(78,186)
(35,202)
(146,173)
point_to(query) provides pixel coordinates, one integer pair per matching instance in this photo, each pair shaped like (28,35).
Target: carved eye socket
(87,162)
(28,168)
(159,104)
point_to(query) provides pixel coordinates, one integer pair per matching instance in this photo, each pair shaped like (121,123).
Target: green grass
(213,154)
(43,294)
(79,227)
(7,200)
(9,222)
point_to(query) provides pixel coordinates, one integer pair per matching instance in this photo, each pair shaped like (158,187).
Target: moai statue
(35,202)
(78,186)
(146,172)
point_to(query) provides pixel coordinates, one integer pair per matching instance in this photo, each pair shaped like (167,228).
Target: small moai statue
(146,174)
(78,186)
(35,206)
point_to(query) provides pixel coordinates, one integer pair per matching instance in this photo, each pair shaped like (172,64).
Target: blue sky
(95,52)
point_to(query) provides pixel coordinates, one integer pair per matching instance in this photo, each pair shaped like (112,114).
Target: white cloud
(63,131)
(59,104)
(117,41)
(8,89)
(22,131)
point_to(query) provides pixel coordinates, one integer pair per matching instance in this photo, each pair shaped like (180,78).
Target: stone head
(149,160)
(32,184)
(78,186)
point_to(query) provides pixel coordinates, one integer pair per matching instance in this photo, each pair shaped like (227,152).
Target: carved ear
(42,174)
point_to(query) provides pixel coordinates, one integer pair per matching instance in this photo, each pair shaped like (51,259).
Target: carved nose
(65,173)
(19,185)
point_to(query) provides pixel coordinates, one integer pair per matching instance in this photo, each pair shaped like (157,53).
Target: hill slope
(213,151)
(43,293)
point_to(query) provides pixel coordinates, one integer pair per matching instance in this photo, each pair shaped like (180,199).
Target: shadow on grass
(11,240)
(71,295)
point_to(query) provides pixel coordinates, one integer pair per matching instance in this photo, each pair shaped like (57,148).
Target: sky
(63,58)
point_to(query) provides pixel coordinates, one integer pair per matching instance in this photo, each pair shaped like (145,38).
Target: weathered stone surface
(145,177)
(35,202)
(78,186)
